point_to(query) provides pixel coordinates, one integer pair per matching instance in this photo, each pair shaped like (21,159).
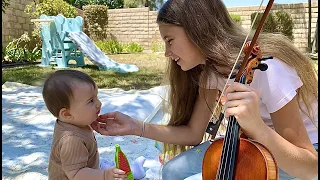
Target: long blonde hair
(209,26)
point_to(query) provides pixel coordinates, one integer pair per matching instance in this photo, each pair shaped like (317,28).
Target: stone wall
(15,21)
(139,24)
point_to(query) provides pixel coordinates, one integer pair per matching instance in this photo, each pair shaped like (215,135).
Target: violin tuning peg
(261,66)
(265,58)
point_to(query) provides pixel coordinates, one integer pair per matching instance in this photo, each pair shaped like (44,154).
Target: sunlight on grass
(151,73)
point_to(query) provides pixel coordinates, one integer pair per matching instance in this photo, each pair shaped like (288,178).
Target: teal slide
(96,56)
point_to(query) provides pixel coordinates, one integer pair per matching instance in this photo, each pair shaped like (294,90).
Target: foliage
(50,8)
(133,47)
(96,21)
(286,22)
(132,3)
(279,22)
(71,2)
(110,47)
(152,4)
(5,4)
(22,49)
(114,47)
(157,46)
(236,18)
(112,4)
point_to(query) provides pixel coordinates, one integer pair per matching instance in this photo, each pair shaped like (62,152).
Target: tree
(152,4)
(112,4)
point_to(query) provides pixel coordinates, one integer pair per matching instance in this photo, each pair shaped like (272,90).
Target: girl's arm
(290,143)
(190,134)
(116,123)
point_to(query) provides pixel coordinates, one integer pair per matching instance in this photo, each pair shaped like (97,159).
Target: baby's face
(85,105)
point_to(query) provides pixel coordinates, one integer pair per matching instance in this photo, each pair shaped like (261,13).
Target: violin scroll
(254,62)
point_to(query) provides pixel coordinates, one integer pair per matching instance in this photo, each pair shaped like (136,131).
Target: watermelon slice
(122,162)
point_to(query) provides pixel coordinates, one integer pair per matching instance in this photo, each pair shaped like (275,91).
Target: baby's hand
(115,173)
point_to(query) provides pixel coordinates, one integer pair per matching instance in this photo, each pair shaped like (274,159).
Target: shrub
(22,49)
(50,8)
(279,22)
(110,47)
(286,23)
(157,46)
(133,47)
(236,18)
(132,3)
(114,47)
(112,4)
(96,21)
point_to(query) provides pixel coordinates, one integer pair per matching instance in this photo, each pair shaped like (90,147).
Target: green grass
(152,67)
(151,73)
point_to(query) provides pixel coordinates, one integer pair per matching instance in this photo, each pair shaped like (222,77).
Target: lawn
(151,73)
(152,68)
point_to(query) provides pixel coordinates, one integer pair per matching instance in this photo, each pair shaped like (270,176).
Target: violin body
(254,161)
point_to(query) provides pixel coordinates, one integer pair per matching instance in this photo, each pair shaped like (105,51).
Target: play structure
(63,40)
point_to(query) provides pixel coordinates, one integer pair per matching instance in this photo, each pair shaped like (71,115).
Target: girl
(278,109)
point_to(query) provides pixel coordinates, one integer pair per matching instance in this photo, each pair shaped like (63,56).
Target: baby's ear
(64,114)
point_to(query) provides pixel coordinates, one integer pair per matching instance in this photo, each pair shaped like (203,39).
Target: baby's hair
(57,89)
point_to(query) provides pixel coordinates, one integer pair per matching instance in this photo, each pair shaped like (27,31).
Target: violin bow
(246,57)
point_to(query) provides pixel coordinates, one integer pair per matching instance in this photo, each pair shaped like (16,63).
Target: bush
(236,18)
(114,47)
(110,47)
(50,8)
(157,46)
(96,21)
(22,49)
(279,22)
(132,3)
(112,4)
(133,47)
(286,23)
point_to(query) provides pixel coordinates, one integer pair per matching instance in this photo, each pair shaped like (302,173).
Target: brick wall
(139,24)
(15,21)
(133,25)
(300,16)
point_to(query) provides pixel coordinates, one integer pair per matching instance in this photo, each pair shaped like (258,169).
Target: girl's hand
(115,173)
(243,103)
(116,123)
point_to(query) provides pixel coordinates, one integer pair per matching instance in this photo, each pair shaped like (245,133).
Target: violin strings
(225,162)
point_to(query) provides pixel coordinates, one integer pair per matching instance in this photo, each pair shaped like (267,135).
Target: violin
(235,156)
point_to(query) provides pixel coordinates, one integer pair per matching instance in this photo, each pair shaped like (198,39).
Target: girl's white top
(276,86)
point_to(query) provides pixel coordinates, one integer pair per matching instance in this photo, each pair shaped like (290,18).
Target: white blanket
(27,128)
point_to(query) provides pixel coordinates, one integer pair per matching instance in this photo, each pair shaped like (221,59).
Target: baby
(71,96)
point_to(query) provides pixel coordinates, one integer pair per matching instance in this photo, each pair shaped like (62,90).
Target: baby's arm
(74,157)
(96,174)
